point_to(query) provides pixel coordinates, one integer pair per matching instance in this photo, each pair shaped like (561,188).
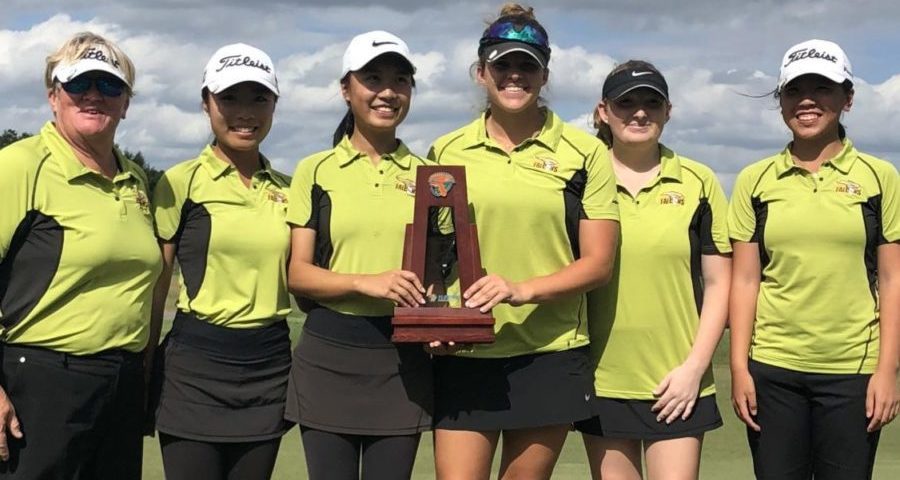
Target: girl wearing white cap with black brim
(222,371)
(655,396)
(815,300)
(361,401)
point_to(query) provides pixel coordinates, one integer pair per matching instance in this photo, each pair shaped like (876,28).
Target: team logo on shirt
(276,196)
(546,164)
(441,183)
(143,202)
(671,198)
(406,185)
(848,187)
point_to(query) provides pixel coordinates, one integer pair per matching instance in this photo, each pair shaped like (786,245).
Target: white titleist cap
(365,47)
(236,63)
(819,57)
(94,58)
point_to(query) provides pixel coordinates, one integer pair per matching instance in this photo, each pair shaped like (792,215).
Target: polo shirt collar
(670,164)
(347,154)
(842,162)
(215,166)
(549,136)
(64,155)
(268,171)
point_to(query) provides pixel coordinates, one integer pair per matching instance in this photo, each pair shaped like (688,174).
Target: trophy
(424,253)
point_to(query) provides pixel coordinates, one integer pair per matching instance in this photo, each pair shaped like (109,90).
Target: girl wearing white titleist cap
(221,373)
(658,399)
(361,401)
(815,300)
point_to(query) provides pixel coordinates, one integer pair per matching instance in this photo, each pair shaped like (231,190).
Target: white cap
(366,46)
(819,57)
(94,58)
(236,63)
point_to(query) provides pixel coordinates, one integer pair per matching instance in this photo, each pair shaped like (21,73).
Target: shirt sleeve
(718,241)
(741,216)
(599,199)
(304,194)
(890,206)
(16,183)
(168,199)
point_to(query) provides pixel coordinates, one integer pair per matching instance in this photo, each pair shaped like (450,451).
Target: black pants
(336,456)
(812,425)
(197,460)
(81,416)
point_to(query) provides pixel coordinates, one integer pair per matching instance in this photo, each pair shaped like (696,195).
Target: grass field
(725,451)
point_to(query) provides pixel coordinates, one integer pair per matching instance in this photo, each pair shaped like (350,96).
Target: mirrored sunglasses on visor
(108,86)
(509,30)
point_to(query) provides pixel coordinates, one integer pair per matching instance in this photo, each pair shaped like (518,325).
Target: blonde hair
(74,48)
(512,9)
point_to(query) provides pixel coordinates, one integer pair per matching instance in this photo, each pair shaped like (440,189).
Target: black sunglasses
(107,86)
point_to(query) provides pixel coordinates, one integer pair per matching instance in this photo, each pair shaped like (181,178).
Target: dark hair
(345,127)
(603,131)
(846,86)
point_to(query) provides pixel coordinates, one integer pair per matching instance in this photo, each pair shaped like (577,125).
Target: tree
(10,136)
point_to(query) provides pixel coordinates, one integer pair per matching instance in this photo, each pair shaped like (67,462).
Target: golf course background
(725,451)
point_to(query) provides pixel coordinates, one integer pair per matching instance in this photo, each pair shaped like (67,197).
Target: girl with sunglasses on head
(360,400)
(653,379)
(77,265)
(543,199)
(222,371)
(815,300)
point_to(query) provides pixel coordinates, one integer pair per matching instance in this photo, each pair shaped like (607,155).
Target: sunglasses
(509,30)
(107,86)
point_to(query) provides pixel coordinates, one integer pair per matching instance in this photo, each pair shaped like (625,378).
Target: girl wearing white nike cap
(222,371)
(360,400)
(815,300)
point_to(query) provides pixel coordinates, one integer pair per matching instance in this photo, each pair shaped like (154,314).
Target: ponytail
(345,128)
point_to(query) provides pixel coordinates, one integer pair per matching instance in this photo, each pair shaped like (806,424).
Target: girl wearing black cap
(543,199)
(654,385)
(361,401)
(222,371)
(815,304)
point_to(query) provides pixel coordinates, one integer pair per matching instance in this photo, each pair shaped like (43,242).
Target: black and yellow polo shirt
(644,322)
(79,258)
(359,212)
(527,205)
(818,235)
(232,241)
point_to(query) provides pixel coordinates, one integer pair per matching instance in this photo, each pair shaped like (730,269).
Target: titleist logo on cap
(242,61)
(805,53)
(95,53)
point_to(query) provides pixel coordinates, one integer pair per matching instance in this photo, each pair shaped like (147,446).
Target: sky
(720,58)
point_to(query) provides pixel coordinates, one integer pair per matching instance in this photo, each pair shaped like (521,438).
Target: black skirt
(633,419)
(361,384)
(526,391)
(221,384)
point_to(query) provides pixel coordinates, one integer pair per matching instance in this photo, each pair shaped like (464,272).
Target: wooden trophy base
(442,324)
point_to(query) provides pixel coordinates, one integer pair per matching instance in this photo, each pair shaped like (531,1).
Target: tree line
(10,136)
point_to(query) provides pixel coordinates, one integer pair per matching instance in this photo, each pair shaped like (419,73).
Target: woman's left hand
(677,393)
(490,290)
(882,399)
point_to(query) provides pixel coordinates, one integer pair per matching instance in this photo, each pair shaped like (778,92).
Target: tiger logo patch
(671,198)
(848,187)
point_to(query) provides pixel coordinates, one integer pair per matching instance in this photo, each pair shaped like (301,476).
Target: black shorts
(526,391)
(632,419)
(347,377)
(812,425)
(219,384)
(82,416)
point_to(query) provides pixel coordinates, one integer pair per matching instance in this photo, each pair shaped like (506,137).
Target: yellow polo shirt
(232,241)
(79,258)
(527,205)
(818,235)
(644,322)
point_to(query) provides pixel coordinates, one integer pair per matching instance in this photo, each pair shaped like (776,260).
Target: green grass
(725,451)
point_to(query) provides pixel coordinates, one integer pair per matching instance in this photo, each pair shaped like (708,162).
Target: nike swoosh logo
(378,44)
(640,74)
(587,397)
